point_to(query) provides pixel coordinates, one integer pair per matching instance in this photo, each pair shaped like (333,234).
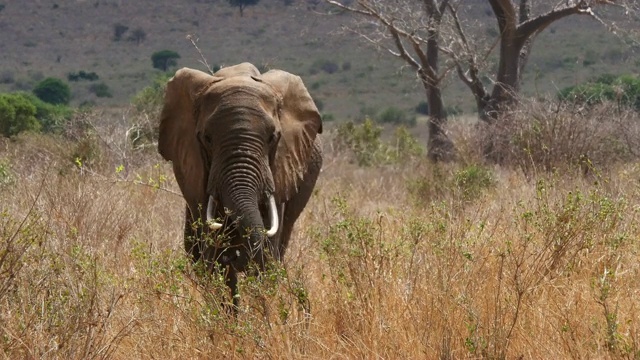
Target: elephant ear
(177,140)
(300,122)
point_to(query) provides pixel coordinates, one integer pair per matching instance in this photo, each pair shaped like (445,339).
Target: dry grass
(538,267)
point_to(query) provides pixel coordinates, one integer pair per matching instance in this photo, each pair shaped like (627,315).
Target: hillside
(41,38)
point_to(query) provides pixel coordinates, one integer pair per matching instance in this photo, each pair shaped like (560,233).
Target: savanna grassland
(531,252)
(398,259)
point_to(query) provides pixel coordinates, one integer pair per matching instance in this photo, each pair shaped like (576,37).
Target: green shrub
(242,4)
(624,90)
(149,100)
(82,75)
(17,114)
(118,31)
(472,180)
(365,143)
(52,118)
(464,184)
(406,145)
(148,104)
(6,176)
(101,90)
(53,91)
(138,35)
(164,59)
(394,115)
(49,117)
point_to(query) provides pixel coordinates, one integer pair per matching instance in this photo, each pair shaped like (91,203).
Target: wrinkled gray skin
(239,136)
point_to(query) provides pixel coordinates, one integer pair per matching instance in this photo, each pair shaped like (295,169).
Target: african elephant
(246,154)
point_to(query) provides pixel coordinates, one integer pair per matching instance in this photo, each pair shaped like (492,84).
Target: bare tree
(518,29)
(410,31)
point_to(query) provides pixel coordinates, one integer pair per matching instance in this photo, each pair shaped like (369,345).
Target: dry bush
(549,136)
(92,266)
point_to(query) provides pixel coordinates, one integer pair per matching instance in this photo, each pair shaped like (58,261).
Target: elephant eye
(274,137)
(207,139)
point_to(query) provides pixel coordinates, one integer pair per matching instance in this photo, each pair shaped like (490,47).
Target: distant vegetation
(118,31)
(17,114)
(623,90)
(24,112)
(242,4)
(53,91)
(82,75)
(101,90)
(164,59)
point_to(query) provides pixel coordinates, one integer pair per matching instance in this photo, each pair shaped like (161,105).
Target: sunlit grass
(400,261)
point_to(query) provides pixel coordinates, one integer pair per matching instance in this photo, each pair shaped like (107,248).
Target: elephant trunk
(243,192)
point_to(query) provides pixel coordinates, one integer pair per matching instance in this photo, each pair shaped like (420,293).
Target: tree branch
(349,8)
(472,80)
(526,29)
(403,54)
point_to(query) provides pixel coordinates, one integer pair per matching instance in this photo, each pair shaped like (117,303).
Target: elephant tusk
(273,215)
(213,224)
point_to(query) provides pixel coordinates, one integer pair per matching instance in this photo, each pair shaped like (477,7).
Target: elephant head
(239,141)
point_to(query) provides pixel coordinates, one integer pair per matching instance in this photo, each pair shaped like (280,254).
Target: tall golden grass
(399,261)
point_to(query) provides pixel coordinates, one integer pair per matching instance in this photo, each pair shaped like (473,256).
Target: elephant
(246,154)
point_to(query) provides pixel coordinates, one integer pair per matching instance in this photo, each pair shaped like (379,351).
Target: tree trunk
(439,146)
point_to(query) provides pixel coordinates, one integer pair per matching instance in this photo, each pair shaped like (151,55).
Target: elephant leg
(297,203)
(192,235)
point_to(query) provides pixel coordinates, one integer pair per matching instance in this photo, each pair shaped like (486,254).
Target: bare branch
(348,8)
(402,51)
(204,60)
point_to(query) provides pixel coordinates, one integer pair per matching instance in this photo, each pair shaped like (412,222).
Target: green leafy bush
(394,115)
(464,184)
(164,59)
(101,90)
(6,176)
(365,143)
(118,31)
(82,75)
(53,91)
(52,118)
(149,100)
(17,114)
(624,90)
(148,104)
(242,4)
(138,35)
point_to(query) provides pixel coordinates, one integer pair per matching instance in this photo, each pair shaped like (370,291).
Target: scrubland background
(396,259)
(534,255)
